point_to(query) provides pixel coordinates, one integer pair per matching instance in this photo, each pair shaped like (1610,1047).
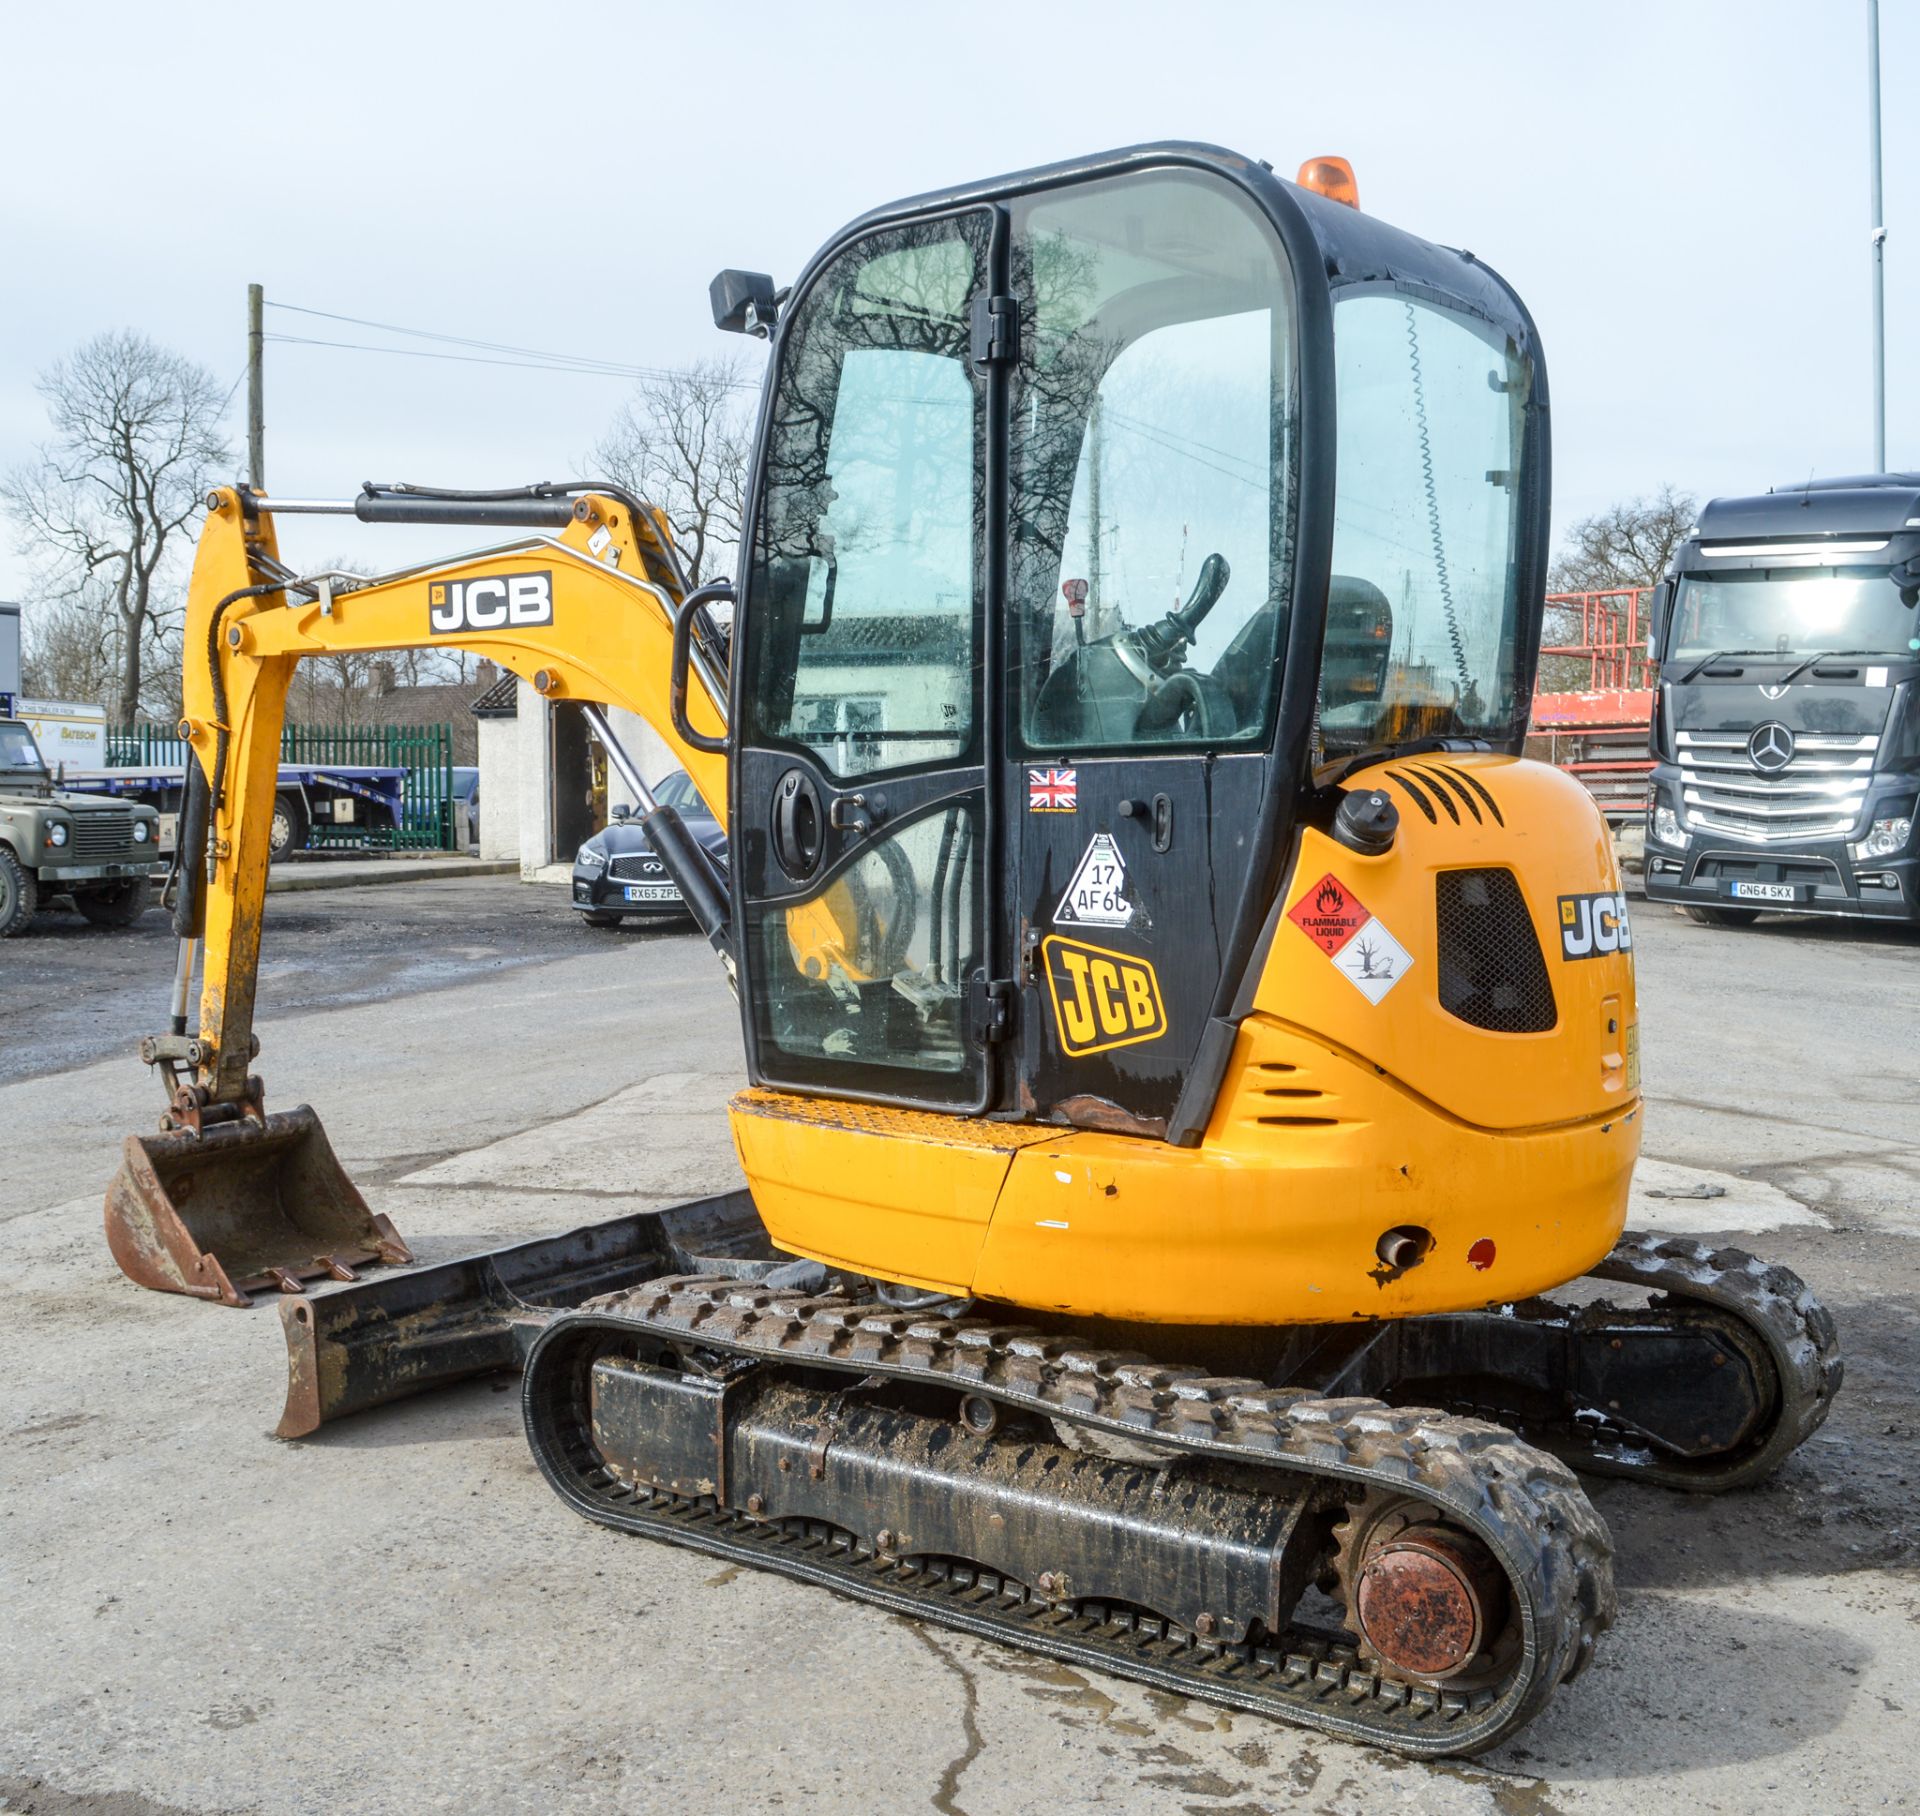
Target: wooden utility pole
(256,397)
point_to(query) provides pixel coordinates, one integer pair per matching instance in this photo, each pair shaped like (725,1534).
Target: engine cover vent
(1492,972)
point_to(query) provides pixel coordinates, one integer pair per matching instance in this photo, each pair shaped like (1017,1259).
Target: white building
(545,782)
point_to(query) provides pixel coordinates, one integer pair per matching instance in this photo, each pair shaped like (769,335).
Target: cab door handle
(797,840)
(858,814)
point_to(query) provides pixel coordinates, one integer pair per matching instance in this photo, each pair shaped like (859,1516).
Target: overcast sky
(1678,190)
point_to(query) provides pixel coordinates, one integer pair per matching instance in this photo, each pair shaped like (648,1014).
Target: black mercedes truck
(1786,729)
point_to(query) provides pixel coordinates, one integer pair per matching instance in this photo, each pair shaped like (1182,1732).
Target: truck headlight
(142,831)
(1885,839)
(589,859)
(57,834)
(1667,829)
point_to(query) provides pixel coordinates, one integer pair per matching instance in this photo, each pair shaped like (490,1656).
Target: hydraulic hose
(403,493)
(218,680)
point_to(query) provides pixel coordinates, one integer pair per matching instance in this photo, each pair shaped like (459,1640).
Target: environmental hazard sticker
(1373,961)
(1362,949)
(1097,896)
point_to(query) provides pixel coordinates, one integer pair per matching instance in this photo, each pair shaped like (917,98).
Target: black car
(616,872)
(463,793)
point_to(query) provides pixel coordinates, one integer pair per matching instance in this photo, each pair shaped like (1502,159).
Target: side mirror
(1907,578)
(1659,603)
(621,811)
(744,302)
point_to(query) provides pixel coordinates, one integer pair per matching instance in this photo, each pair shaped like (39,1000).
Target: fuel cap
(1367,822)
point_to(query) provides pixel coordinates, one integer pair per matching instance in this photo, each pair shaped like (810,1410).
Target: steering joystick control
(1367,822)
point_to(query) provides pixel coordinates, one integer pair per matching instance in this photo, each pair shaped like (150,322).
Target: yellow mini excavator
(1189,1049)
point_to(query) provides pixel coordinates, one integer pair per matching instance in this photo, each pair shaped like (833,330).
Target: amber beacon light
(1332,178)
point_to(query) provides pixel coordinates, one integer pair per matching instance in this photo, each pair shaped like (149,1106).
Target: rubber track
(1527,1506)
(1781,1310)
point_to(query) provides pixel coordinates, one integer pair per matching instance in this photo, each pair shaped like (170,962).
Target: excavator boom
(230,1200)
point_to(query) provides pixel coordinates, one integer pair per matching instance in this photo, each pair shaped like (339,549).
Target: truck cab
(98,851)
(1786,730)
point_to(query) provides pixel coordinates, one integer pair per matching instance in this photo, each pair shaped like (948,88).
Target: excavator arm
(570,610)
(589,605)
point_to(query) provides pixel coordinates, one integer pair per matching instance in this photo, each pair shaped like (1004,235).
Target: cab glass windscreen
(1782,612)
(1423,606)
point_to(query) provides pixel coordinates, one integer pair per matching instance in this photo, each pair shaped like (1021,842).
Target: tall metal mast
(1879,231)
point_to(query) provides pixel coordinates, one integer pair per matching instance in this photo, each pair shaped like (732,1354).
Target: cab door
(864,800)
(1154,466)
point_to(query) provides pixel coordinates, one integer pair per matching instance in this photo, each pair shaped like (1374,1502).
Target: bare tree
(70,650)
(1628,544)
(346,687)
(682,444)
(104,509)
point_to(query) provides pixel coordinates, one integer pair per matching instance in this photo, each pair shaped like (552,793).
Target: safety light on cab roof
(1332,178)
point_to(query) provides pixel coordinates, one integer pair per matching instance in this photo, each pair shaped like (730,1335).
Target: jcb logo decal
(494,602)
(1101,999)
(1591,926)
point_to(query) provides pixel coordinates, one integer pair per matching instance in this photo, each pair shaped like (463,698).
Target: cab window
(1152,438)
(1423,607)
(865,636)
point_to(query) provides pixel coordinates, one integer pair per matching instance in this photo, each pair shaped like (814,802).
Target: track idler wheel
(1428,1601)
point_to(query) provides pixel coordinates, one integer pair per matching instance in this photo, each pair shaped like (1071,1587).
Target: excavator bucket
(243,1207)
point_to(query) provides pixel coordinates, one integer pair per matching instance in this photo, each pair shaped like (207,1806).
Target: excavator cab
(1059,612)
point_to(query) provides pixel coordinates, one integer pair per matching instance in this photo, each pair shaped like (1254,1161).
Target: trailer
(315,805)
(1593,704)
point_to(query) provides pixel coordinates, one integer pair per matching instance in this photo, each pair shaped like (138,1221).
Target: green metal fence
(428,820)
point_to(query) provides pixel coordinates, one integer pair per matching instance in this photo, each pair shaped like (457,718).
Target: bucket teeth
(245,1207)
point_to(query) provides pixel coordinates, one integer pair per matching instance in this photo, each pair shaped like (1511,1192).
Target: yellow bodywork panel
(905,1194)
(1277,1216)
(1354,1106)
(1551,837)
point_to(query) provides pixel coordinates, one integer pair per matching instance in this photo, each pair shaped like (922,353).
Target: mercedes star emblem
(1770,749)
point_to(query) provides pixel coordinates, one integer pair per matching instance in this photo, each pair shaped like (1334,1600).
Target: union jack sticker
(1053,791)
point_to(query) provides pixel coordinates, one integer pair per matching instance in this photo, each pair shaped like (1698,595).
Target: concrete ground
(317,872)
(398,1615)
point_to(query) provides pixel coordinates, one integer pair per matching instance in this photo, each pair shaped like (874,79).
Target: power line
(468,359)
(537,358)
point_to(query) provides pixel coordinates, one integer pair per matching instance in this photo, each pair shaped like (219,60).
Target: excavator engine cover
(248,1206)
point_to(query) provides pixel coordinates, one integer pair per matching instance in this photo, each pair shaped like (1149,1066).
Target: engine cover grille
(1492,972)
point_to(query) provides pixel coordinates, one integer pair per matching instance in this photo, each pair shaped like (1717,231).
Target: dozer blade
(402,1334)
(245,1207)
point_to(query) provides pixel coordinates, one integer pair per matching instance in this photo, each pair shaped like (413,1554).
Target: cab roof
(1881,504)
(1350,247)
